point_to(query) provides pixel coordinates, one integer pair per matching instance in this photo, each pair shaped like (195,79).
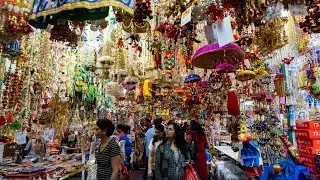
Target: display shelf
(74,173)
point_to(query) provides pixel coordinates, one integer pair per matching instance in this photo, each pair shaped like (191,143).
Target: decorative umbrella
(48,12)
(209,55)
(192,78)
(225,68)
(245,75)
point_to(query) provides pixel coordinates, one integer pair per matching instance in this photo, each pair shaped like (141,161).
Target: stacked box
(308,140)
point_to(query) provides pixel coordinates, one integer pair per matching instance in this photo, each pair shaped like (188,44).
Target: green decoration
(15,125)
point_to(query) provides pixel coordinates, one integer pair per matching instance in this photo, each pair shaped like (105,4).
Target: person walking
(171,155)
(201,144)
(125,130)
(155,142)
(108,152)
(148,136)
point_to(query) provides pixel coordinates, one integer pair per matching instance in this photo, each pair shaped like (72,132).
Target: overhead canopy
(75,10)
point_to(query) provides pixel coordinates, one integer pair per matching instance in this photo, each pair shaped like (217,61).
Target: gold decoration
(270,36)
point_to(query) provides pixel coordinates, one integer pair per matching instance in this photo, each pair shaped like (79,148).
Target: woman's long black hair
(179,139)
(195,126)
(160,128)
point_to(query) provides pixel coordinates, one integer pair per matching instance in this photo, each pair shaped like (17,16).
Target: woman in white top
(158,139)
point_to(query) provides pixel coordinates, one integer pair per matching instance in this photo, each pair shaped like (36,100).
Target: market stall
(247,71)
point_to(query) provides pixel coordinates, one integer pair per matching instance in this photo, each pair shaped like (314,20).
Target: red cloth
(253,171)
(200,164)
(233,104)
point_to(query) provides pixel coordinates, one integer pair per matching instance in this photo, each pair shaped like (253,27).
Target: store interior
(248,71)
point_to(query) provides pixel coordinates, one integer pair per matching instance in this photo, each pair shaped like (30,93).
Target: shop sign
(164,112)
(186,17)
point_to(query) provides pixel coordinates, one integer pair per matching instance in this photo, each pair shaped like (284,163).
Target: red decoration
(233,104)
(287,60)
(10,118)
(214,14)
(2,120)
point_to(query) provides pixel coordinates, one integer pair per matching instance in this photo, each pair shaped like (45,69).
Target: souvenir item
(209,56)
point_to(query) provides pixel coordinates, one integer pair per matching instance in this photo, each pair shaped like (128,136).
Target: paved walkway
(136,175)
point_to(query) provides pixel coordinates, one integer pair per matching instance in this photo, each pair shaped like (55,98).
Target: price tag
(186,16)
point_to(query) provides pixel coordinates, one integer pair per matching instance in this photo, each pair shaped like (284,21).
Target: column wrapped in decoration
(279,84)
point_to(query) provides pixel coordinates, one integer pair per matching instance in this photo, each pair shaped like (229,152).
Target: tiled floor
(136,175)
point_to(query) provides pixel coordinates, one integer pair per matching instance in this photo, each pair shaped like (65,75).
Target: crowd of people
(167,150)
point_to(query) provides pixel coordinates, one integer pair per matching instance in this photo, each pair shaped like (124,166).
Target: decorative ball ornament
(277,168)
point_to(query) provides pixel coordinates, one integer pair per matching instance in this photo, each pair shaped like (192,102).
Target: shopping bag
(124,172)
(190,173)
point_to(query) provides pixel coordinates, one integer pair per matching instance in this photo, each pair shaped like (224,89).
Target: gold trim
(87,5)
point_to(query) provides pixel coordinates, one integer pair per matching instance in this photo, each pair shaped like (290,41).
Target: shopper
(119,131)
(190,146)
(108,152)
(125,130)
(68,143)
(149,135)
(29,149)
(201,144)
(155,142)
(171,155)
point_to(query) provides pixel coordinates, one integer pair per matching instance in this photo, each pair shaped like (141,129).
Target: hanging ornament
(279,84)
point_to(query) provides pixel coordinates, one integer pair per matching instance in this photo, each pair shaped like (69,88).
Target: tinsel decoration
(270,37)
(62,32)
(279,84)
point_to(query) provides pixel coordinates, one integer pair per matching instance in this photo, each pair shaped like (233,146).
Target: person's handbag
(190,173)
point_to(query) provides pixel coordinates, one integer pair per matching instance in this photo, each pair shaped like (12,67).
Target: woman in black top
(68,143)
(108,153)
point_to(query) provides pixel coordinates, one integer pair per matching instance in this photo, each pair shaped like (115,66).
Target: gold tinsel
(61,117)
(295,35)
(41,58)
(270,36)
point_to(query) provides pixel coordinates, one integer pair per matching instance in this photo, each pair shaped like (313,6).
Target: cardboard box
(308,159)
(307,134)
(308,143)
(308,150)
(312,167)
(311,125)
